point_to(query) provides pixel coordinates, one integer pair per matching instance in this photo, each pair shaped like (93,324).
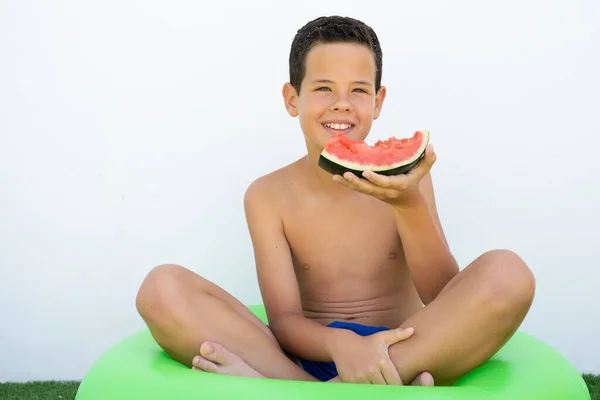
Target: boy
(355,273)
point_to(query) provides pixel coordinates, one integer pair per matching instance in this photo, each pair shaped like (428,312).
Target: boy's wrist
(335,339)
(411,202)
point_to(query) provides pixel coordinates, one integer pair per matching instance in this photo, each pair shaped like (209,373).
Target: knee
(507,282)
(157,292)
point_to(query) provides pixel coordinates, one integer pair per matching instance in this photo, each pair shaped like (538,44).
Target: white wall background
(129,131)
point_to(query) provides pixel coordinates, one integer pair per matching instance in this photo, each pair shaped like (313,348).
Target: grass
(593,383)
(54,390)
(51,390)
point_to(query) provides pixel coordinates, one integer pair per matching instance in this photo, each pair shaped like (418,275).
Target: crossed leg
(201,325)
(184,310)
(470,320)
(476,313)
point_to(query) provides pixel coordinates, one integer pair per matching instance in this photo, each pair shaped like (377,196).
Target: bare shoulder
(270,188)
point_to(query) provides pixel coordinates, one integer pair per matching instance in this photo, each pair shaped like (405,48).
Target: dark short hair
(331,30)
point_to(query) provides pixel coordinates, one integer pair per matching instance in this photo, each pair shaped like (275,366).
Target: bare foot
(423,379)
(217,359)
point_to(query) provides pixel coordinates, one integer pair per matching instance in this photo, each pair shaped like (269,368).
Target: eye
(322,88)
(361,90)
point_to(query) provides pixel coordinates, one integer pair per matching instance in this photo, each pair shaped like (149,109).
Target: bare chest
(344,245)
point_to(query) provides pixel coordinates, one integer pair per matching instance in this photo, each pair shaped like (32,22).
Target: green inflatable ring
(137,368)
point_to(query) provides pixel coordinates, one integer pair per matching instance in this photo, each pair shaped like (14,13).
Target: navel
(392,255)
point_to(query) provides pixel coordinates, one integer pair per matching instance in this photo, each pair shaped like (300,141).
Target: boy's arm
(358,359)
(277,279)
(429,259)
(428,256)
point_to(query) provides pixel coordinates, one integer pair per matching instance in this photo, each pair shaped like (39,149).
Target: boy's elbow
(282,321)
(445,275)
(282,326)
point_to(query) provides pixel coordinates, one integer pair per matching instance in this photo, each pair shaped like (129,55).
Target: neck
(321,178)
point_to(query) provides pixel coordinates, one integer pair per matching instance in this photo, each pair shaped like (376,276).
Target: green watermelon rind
(338,168)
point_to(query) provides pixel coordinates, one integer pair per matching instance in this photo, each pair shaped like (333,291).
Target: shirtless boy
(367,254)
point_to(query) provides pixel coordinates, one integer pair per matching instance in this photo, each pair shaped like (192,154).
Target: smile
(334,127)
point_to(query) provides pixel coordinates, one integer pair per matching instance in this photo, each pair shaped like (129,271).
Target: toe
(202,364)
(423,379)
(427,379)
(216,353)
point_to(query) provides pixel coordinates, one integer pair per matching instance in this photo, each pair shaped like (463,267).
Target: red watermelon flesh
(387,157)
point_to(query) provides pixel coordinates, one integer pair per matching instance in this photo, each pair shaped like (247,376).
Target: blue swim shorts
(325,371)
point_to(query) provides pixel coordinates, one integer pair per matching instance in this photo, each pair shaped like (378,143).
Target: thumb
(425,164)
(396,335)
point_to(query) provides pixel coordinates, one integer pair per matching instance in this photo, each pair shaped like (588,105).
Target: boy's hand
(397,190)
(365,359)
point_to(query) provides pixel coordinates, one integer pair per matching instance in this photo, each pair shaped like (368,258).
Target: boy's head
(335,79)
(333,29)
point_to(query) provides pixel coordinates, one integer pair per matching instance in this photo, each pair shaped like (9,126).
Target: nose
(342,104)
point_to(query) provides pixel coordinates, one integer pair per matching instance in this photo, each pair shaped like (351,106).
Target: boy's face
(337,93)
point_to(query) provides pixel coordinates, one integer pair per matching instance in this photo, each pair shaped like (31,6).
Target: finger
(376,377)
(357,379)
(338,178)
(390,373)
(346,377)
(348,179)
(385,181)
(425,164)
(396,335)
(366,187)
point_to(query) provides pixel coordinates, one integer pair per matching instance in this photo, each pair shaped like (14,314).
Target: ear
(289,98)
(379,99)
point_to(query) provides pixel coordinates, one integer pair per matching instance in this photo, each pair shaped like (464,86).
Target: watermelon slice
(388,157)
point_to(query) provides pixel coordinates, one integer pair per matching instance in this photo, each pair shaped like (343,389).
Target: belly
(381,299)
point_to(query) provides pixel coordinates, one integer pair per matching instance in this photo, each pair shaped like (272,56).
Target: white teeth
(339,127)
